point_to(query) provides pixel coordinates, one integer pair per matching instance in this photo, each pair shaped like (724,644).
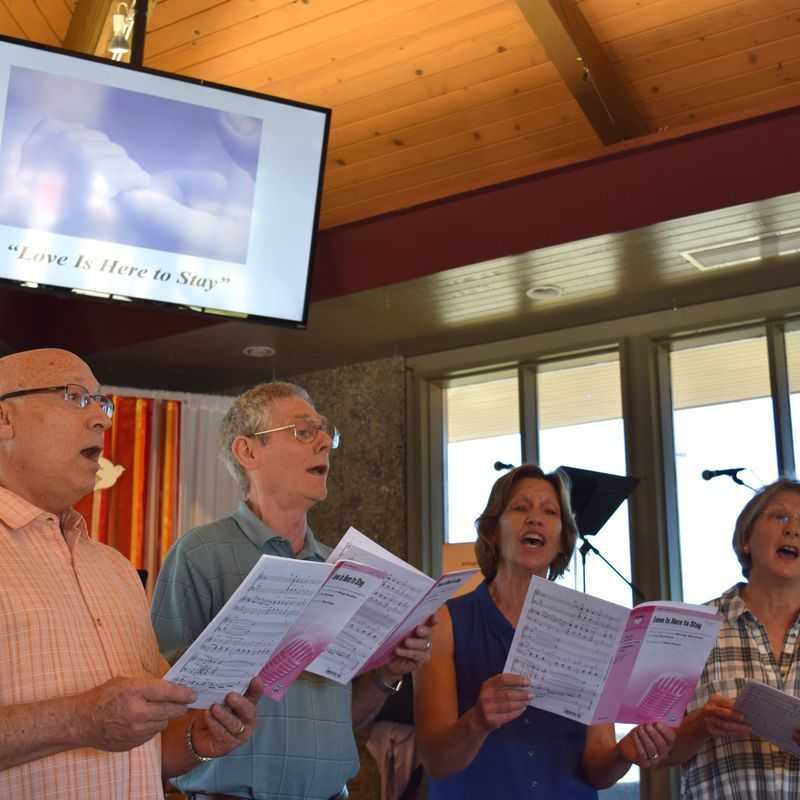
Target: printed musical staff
(595,661)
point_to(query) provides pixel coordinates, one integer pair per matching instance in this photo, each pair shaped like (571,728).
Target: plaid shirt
(743,769)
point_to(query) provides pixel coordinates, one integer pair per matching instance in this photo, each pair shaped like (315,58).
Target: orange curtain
(138,514)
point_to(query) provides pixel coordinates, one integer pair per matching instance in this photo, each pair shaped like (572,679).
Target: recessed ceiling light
(544,292)
(744,251)
(259,351)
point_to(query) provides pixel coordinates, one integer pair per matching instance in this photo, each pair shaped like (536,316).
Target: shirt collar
(732,604)
(259,533)
(17,512)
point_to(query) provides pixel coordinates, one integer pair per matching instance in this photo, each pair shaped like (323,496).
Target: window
(580,425)
(482,428)
(722,415)
(793,366)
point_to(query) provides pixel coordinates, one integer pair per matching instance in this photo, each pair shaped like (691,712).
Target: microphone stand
(737,479)
(586,548)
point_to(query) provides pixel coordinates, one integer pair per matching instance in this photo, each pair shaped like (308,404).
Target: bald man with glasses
(83,709)
(278,447)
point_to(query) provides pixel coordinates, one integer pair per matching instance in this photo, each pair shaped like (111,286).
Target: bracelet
(190,745)
(386,688)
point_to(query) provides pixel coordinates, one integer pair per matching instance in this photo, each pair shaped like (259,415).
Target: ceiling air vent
(745,251)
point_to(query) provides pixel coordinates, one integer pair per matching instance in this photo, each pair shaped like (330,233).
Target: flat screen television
(133,184)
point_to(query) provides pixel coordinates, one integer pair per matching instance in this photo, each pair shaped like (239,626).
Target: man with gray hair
(278,447)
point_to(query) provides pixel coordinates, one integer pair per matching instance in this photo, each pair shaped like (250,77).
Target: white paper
(436,596)
(774,715)
(565,642)
(596,662)
(243,635)
(402,589)
(328,611)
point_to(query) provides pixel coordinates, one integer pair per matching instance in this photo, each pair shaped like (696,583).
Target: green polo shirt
(303,747)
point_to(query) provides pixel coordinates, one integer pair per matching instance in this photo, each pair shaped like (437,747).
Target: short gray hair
(251,412)
(751,512)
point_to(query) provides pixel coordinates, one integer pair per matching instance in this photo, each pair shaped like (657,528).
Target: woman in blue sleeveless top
(477,736)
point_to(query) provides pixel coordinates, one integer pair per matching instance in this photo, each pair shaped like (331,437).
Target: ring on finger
(241,729)
(428,644)
(652,756)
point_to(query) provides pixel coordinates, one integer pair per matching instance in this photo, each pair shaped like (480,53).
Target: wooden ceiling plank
(716,70)
(457,163)
(351,31)
(723,79)
(542,78)
(639,21)
(318,50)
(464,141)
(740,107)
(707,18)
(554,96)
(596,10)
(424,67)
(457,79)
(712,46)
(231,50)
(585,68)
(8,23)
(398,40)
(324,40)
(473,179)
(32,21)
(171,12)
(57,14)
(192,29)
(86,26)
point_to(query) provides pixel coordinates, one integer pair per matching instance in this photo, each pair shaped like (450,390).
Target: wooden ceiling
(435,97)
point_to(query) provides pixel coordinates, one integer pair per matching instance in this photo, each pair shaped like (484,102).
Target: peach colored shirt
(72,615)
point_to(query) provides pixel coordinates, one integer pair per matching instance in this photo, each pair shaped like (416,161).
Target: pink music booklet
(405,599)
(595,661)
(345,590)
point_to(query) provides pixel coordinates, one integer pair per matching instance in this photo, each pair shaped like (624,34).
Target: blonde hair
(751,512)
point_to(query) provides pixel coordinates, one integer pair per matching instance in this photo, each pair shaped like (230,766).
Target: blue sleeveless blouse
(538,754)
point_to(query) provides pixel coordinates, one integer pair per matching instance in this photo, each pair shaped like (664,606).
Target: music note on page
(406,599)
(244,634)
(595,661)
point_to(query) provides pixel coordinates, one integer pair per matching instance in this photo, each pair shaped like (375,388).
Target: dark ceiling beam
(648,182)
(87,25)
(583,65)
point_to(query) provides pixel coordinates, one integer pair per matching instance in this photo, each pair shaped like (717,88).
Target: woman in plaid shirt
(758,641)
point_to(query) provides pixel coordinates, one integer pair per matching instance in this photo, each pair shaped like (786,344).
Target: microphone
(500,466)
(732,472)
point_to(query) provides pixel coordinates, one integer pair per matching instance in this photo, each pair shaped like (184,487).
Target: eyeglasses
(306,431)
(781,516)
(74,394)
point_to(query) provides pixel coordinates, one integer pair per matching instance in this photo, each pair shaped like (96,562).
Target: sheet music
(565,642)
(402,589)
(354,538)
(348,586)
(437,596)
(243,635)
(773,714)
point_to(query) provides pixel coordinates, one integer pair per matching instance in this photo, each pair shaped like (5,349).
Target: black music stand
(595,497)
